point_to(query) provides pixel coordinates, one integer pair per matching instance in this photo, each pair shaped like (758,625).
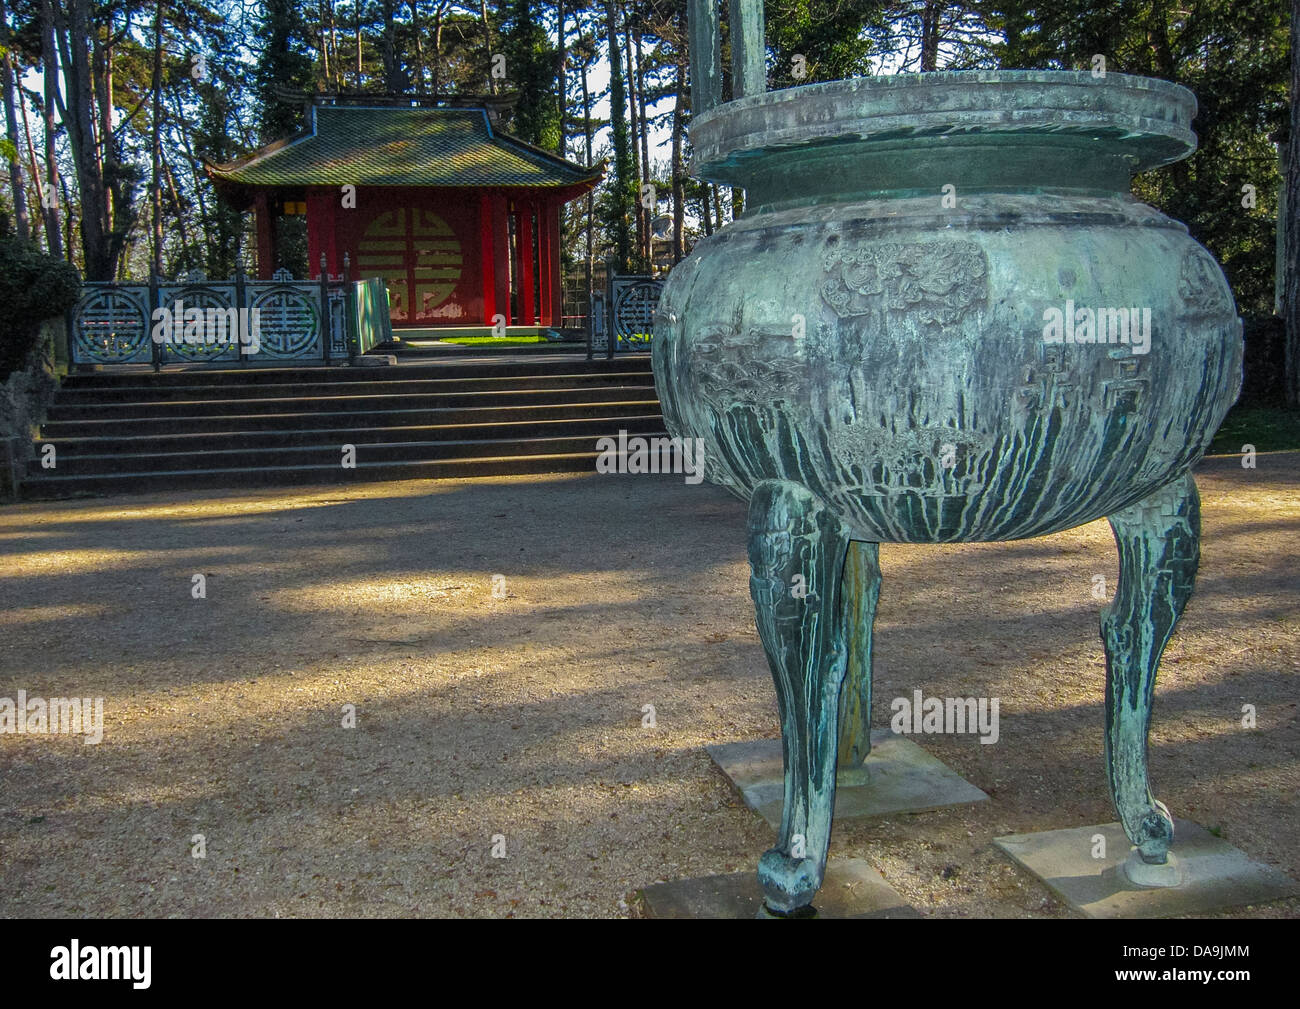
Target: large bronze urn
(944,318)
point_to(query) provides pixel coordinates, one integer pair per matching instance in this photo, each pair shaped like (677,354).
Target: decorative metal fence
(622,316)
(234,321)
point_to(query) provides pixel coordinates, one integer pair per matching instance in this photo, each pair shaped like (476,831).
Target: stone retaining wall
(24,397)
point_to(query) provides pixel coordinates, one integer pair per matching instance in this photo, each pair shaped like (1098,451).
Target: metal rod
(706,54)
(748,48)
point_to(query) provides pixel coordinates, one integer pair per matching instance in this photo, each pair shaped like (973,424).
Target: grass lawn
(1269,429)
(478,341)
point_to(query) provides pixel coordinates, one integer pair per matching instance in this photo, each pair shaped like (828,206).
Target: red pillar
(486,259)
(554,263)
(501,256)
(527,312)
(544,255)
(265,238)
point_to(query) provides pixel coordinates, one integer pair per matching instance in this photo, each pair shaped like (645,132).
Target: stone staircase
(140,431)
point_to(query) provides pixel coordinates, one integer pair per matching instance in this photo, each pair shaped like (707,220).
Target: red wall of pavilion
(429,247)
(425,245)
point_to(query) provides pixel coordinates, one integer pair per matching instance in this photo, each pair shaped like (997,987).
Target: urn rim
(1144,120)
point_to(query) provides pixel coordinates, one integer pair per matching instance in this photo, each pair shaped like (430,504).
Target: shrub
(1265,361)
(33,287)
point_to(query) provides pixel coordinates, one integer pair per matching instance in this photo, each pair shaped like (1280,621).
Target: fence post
(156,346)
(70,343)
(591,320)
(352,332)
(325,331)
(239,305)
(611,330)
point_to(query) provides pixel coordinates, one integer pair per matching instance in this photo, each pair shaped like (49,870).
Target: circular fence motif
(288,322)
(634,309)
(111,328)
(215,336)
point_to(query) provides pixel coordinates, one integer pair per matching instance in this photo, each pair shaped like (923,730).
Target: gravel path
(520,718)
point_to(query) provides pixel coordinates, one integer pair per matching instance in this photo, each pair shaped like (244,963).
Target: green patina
(868,364)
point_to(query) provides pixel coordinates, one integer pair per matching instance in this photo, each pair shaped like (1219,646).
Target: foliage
(1267,428)
(33,287)
(1231,53)
(283,66)
(1234,57)
(530,69)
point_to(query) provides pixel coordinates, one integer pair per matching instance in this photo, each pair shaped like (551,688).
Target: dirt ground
(520,718)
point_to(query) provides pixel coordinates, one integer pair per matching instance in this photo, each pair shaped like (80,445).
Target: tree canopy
(112,106)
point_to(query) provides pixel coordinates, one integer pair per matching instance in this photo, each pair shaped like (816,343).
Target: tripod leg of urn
(861,592)
(1159,548)
(796,552)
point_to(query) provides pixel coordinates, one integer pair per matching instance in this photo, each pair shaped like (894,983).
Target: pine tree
(283,66)
(530,71)
(622,198)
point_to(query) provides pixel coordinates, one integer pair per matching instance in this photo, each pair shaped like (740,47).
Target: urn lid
(1142,121)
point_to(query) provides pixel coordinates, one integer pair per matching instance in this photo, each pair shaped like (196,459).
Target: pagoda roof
(403,146)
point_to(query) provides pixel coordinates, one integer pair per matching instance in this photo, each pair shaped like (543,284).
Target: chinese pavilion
(460,220)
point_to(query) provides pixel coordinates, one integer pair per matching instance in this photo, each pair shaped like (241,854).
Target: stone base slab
(1214,874)
(897,777)
(852,889)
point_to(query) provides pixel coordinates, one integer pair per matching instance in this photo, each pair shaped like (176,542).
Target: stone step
(342,419)
(321,455)
(297,375)
(46,486)
(135,430)
(588,427)
(142,391)
(65,410)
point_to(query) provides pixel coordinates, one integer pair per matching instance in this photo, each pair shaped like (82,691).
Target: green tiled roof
(385,146)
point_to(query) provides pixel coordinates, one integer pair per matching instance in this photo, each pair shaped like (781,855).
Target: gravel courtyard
(516,722)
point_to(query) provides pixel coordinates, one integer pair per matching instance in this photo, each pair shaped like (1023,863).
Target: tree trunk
(649,212)
(624,176)
(930,35)
(196,170)
(100,246)
(562,77)
(180,218)
(1291,308)
(437,48)
(679,170)
(417,83)
(31,164)
(67,218)
(324,46)
(11,131)
(102,93)
(634,127)
(392,81)
(591,200)
(155,143)
(337,83)
(50,194)
(487,45)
